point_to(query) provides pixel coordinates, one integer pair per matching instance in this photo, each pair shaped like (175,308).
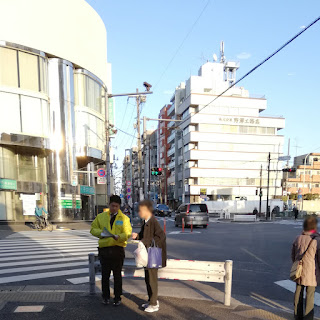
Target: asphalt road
(260,252)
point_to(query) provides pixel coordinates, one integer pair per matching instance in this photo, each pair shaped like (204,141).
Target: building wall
(69,29)
(226,141)
(52,108)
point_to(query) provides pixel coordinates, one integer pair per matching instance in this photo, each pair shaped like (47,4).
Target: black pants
(111,259)
(308,313)
(151,278)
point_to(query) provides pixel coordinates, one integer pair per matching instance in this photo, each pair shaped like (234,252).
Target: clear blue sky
(144,35)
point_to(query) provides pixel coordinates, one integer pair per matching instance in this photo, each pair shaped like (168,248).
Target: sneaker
(105,301)
(146,305)
(152,309)
(116,303)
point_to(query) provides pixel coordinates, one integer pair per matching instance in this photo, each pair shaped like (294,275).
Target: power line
(182,43)
(127,133)
(255,68)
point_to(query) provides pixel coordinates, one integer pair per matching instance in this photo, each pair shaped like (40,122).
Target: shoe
(116,303)
(151,309)
(146,305)
(106,301)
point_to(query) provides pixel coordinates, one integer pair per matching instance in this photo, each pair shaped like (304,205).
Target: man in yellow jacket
(113,229)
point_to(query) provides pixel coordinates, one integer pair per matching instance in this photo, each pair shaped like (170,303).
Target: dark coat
(152,230)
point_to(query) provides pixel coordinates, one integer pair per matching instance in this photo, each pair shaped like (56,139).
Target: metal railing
(205,271)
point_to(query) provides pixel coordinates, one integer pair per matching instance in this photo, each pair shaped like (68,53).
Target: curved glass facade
(90,111)
(51,113)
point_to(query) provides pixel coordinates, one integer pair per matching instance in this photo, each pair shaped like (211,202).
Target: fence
(205,271)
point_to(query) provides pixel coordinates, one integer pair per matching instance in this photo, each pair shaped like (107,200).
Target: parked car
(195,213)
(162,210)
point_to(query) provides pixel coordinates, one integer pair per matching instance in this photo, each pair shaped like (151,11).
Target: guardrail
(205,271)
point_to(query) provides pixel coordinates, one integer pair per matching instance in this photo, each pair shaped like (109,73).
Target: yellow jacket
(121,227)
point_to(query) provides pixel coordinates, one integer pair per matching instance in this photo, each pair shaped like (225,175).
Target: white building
(54,79)
(226,141)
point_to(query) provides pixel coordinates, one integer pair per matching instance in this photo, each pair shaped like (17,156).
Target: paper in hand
(106,234)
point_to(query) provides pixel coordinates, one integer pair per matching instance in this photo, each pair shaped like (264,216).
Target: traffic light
(156,171)
(289,170)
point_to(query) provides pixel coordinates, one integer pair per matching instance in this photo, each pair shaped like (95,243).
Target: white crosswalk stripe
(31,255)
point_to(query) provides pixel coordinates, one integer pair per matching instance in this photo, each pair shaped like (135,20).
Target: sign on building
(101,180)
(8,184)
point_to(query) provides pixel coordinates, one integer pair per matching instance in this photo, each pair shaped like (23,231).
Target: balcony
(171,110)
(171,137)
(171,165)
(171,151)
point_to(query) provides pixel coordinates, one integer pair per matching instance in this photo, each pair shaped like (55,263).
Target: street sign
(101,172)
(203,191)
(121,195)
(101,180)
(284,158)
(128,190)
(128,183)
(74,181)
(128,196)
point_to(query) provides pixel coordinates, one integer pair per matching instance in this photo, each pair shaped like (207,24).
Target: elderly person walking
(306,247)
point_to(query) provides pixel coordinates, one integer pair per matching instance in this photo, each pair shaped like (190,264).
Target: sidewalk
(73,302)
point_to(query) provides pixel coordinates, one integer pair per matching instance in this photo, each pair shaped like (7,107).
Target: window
(28,71)
(31,115)
(198,208)
(10,113)
(43,75)
(8,67)
(93,95)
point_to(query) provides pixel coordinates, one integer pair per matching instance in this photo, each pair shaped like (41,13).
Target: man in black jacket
(151,230)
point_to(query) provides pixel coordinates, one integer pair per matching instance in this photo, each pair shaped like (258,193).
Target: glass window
(43,75)
(31,115)
(79,94)
(45,118)
(8,67)
(93,95)
(10,113)
(28,71)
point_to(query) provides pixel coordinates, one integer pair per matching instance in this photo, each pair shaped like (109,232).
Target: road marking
(48,250)
(254,256)
(32,262)
(36,257)
(43,275)
(291,286)
(29,309)
(181,232)
(45,267)
(82,280)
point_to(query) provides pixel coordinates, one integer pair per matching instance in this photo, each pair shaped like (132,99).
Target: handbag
(141,256)
(297,266)
(154,256)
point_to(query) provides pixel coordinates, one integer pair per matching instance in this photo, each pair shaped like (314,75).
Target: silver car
(193,213)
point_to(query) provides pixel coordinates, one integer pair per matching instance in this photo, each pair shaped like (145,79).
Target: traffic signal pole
(260,192)
(267,211)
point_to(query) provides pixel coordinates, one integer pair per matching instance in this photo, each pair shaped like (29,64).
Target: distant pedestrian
(295,212)
(306,246)
(113,228)
(151,232)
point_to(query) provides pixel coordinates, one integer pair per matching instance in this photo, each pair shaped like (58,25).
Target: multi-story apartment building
(163,147)
(225,141)
(307,175)
(54,80)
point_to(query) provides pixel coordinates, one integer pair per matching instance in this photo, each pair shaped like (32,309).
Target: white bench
(244,217)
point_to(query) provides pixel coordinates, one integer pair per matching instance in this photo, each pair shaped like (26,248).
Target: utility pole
(267,212)
(108,173)
(149,171)
(139,148)
(287,174)
(260,192)
(131,180)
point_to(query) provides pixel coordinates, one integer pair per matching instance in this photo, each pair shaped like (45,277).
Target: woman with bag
(305,270)
(154,239)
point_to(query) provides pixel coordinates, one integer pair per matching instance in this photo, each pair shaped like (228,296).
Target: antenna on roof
(222,57)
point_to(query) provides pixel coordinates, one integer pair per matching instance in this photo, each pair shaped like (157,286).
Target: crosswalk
(31,255)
